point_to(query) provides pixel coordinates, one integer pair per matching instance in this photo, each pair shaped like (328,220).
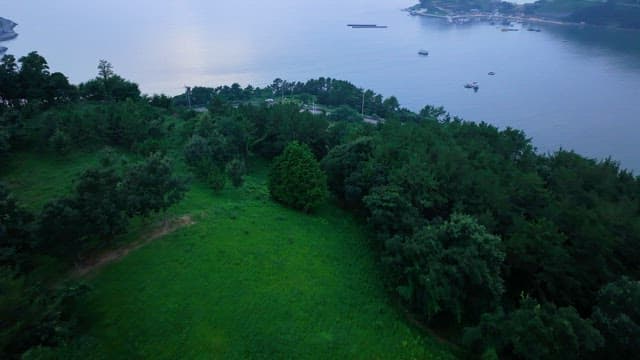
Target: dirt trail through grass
(112,255)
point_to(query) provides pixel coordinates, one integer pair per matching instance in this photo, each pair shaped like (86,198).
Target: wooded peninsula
(611,13)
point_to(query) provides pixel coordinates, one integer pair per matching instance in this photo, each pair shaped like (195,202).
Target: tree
(345,113)
(538,262)
(105,70)
(58,90)
(534,332)
(61,227)
(9,86)
(390,211)
(453,267)
(197,152)
(95,211)
(296,179)
(120,89)
(33,315)
(16,240)
(33,76)
(151,187)
(5,141)
(100,201)
(617,316)
(60,142)
(236,170)
(343,160)
(161,101)
(109,86)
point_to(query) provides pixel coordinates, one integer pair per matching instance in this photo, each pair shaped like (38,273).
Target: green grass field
(250,279)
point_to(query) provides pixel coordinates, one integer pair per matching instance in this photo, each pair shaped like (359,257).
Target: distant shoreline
(468,16)
(6,29)
(492,17)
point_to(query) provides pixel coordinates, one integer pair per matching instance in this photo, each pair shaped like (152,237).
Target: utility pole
(188,96)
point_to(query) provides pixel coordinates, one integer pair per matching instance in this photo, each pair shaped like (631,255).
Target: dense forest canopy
(530,256)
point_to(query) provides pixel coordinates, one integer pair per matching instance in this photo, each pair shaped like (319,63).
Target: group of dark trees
(476,228)
(530,256)
(203,96)
(615,13)
(40,111)
(104,200)
(323,91)
(99,208)
(624,14)
(29,80)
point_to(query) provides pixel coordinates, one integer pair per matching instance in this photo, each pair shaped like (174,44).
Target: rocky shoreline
(6,29)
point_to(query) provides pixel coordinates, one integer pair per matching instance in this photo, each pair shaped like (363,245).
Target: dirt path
(110,256)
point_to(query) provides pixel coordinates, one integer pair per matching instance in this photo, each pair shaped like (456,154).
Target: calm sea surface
(570,87)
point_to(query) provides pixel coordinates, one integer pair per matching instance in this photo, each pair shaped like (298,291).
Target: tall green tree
(617,316)
(16,227)
(296,179)
(94,212)
(109,86)
(9,86)
(33,76)
(453,267)
(151,186)
(535,332)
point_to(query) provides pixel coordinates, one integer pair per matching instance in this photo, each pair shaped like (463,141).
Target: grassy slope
(250,279)
(35,178)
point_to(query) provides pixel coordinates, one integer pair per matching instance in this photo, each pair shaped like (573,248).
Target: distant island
(6,29)
(611,13)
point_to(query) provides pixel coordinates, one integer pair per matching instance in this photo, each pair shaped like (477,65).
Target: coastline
(492,17)
(6,29)
(465,17)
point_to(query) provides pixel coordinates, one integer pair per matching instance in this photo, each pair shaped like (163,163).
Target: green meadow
(247,279)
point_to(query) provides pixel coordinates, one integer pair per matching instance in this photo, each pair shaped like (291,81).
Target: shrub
(296,179)
(236,170)
(60,142)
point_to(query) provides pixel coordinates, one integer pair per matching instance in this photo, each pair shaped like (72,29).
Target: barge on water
(367,26)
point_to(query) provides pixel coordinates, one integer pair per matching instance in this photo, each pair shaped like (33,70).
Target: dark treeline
(324,91)
(40,111)
(613,13)
(528,256)
(473,225)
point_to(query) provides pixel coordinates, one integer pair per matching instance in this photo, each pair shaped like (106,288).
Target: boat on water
(472,85)
(367,26)
(423,53)
(3,49)
(491,73)
(534,29)
(509,29)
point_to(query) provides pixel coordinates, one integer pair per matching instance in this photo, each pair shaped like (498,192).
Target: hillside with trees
(476,236)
